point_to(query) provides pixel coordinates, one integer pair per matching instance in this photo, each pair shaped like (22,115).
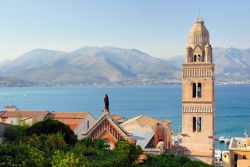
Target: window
(194,90)
(199,90)
(235,160)
(87,124)
(194,58)
(199,58)
(244,157)
(199,124)
(194,124)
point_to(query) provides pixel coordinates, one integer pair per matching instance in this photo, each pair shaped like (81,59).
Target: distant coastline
(125,83)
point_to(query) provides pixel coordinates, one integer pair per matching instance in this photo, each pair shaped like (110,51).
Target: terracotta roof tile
(72,119)
(24,113)
(67,114)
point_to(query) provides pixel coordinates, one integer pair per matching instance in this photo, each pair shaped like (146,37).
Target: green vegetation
(49,126)
(171,161)
(52,144)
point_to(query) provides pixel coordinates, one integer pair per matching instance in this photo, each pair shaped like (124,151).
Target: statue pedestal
(106,111)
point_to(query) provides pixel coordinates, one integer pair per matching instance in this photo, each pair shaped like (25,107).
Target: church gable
(107,129)
(104,127)
(107,124)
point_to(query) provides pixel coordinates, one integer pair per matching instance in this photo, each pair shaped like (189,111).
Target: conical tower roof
(198,34)
(199,26)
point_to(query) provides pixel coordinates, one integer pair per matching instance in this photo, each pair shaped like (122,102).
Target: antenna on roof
(199,12)
(199,16)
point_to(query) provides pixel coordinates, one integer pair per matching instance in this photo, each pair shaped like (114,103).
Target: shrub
(131,151)
(20,155)
(69,159)
(50,126)
(13,133)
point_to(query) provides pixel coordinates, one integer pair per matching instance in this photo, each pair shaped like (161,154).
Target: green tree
(49,126)
(69,159)
(13,133)
(164,160)
(21,155)
(131,151)
(46,143)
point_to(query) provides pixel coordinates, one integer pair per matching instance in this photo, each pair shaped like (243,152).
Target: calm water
(164,102)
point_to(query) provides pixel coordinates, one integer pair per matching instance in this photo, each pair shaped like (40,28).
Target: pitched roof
(73,119)
(24,113)
(144,122)
(143,128)
(1,112)
(68,115)
(117,117)
(107,117)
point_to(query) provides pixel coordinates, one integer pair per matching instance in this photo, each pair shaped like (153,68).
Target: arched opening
(194,124)
(195,58)
(199,58)
(199,124)
(199,90)
(194,90)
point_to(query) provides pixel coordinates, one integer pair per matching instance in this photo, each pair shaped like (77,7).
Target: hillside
(88,65)
(10,82)
(106,65)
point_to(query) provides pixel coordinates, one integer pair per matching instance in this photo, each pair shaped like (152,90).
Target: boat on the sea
(227,140)
(221,139)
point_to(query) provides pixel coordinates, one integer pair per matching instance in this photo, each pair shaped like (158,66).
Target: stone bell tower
(198,95)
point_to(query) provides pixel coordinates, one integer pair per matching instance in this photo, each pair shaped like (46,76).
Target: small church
(153,135)
(198,96)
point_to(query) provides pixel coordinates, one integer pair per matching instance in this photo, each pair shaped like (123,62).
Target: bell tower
(198,95)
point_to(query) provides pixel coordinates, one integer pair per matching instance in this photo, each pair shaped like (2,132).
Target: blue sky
(157,27)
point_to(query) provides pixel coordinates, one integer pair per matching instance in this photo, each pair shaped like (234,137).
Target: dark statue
(106,102)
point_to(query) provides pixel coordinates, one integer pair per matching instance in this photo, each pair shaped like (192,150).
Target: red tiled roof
(73,119)
(24,113)
(70,115)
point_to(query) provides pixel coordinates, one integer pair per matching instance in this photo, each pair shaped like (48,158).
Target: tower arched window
(199,58)
(195,58)
(199,124)
(199,90)
(194,124)
(194,90)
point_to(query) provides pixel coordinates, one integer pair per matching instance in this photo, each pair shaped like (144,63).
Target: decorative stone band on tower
(198,95)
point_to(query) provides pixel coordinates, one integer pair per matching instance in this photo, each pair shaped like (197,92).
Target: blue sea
(162,101)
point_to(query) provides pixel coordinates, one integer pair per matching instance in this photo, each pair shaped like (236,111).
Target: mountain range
(91,65)
(87,65)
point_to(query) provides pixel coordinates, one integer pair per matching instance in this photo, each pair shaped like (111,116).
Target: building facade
(79,122)
(239,153)
(108,129)
(198,95)
(14,116)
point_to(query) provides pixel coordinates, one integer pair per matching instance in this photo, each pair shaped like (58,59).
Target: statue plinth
(106,111)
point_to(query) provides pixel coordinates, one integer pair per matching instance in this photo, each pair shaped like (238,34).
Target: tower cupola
(199,34)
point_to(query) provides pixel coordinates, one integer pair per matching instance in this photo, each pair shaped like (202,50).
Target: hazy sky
(157,27)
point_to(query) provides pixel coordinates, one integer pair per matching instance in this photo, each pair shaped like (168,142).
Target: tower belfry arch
(198,95)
